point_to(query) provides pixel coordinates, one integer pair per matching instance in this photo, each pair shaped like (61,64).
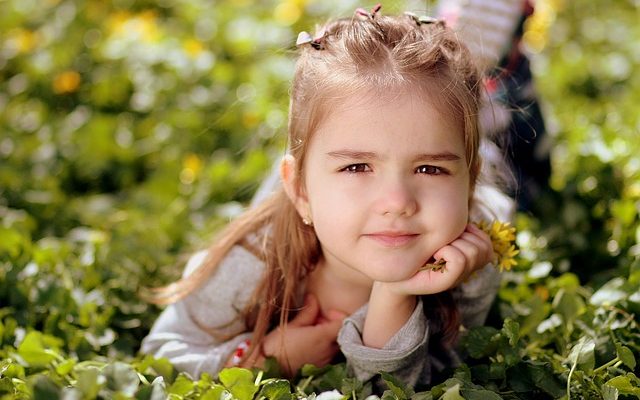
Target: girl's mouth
(393,239)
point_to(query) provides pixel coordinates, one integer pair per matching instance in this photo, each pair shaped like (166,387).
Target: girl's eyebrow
(443,156)
(353,154)
(369,155)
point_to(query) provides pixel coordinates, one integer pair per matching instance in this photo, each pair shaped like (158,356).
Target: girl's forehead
(387,123)
(368,109)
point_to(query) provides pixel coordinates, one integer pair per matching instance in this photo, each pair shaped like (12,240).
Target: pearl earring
(307,221)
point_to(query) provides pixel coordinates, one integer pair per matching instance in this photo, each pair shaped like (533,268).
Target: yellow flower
(503,236)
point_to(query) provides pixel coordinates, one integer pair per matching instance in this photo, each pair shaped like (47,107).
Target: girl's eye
(430,170)
(356,168)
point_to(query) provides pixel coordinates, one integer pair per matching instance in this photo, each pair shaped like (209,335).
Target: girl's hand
(392,303)
(310,338)
(471,251)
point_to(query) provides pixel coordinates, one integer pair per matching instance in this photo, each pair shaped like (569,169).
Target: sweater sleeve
(200,332)
(404,355)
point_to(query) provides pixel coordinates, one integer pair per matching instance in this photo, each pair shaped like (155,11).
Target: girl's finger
(330,329)
(478,236)
(484,252)
(441,281)
(477,251)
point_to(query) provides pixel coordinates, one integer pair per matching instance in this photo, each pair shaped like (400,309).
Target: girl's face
(386,186)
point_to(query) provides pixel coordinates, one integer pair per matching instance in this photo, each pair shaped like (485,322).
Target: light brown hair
(354,56)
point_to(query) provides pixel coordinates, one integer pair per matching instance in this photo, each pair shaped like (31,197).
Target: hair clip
(306,38)
(422,19)
(361,12)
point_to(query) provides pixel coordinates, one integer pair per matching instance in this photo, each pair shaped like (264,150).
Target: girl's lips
(393,239)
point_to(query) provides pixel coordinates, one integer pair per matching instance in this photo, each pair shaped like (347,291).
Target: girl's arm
(391,333)
(391,303)
(404,354)
(190,332)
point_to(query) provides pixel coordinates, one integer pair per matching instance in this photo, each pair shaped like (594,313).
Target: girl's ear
(291,184)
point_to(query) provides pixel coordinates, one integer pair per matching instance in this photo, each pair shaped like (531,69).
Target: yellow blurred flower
(193,47)
(542,292)
(287,12)
(23,40)
(66,82)
(536,27)
(143,25)
(250,119)
(191,166)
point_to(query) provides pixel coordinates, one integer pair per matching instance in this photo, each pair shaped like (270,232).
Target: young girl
(381,178)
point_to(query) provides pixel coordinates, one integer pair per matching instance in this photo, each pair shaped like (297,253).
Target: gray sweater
(189,332)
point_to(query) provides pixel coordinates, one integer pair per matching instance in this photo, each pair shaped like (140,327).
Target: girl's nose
(396,198)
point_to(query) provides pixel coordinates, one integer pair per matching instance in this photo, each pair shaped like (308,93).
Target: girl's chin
(391,278)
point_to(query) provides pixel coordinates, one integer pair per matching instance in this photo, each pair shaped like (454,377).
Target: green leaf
(45,389)
(478,341)
(10,369)
(34,351)
(312,370)
(543,377)
(90,381)
(122,378)
(239,382)
(277,389)
(634,269)
(610,293)
(624,384)
(181,386)
(536,311)
(271,368)
(160,366)
(399,388)
(609,393)
(569,304)
(155,391)
(352,388)
(65,367)
(626,356)
(422,396)
(389,395)
(452,393)
(328,377)
(480,373)
(479,394)
(217,392)
(497,370)
(518,378)
(582,354)
(511,329)
(11,242)
(4,365)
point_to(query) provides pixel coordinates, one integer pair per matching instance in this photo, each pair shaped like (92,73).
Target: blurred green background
(131,130)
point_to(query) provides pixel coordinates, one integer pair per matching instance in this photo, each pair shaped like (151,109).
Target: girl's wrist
(387,312)
(386,291)
(387,301)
